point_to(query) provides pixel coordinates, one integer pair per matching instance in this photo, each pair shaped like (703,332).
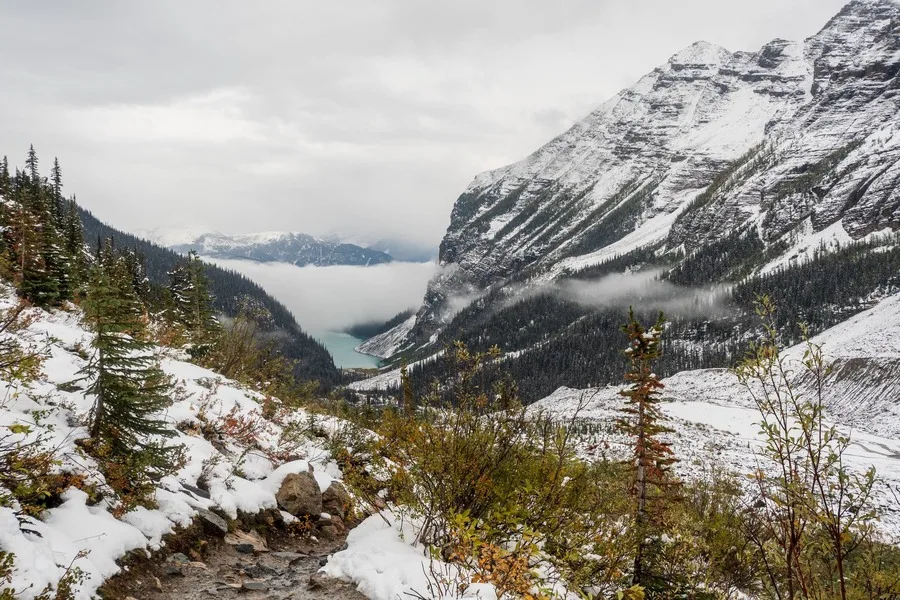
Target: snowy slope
(389,379)
(390,342)
(58,416)
(384,562)
(716,420)
(797,139)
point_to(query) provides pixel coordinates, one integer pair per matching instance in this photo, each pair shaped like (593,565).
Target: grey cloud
(359,117)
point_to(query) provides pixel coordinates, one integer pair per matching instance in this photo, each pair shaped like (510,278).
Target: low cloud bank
(641,290)
(333,298)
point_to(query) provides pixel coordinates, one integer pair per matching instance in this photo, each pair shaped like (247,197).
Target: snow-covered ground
(247,484)
(389,379)
(383,561)
(716,423)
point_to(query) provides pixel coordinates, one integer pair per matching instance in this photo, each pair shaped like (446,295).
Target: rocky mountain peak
(798,133)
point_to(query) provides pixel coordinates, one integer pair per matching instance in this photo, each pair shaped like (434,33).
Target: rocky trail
(269,555)
(236,571)
(242,564)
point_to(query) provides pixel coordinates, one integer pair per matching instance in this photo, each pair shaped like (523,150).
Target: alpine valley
(717,177)
(657,359)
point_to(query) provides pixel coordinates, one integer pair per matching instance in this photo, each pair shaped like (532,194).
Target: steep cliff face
(796,134)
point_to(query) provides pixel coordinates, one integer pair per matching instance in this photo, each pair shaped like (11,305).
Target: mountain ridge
(296,248)
(709,142)
(771,172)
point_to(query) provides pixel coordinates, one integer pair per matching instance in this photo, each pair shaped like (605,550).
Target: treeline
(828,288)
(581,352)
(49,243)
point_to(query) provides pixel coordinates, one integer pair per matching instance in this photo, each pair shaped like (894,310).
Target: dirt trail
(287,571)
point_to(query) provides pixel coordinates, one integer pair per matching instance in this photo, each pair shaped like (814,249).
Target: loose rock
(289,555)
(213,521)
(244,548)
(196,491)
(173,571)
(255,586)
(336,500)
(328,532)
(240,538)
(300,495)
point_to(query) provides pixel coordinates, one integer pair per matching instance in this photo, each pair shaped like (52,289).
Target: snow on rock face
(390,378)
(819,115)
(390,342)
(246,484)
(298,249)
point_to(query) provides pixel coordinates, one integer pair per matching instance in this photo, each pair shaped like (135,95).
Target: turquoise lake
(341,346)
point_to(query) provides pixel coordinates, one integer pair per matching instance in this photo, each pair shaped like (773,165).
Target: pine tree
(5,181)
(651,459)
(192,304)
(125,378)
(73,232)
(31,164)
(56,182)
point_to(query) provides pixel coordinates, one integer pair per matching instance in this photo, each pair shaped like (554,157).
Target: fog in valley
(325,299)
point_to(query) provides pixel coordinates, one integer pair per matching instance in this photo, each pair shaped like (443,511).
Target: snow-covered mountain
(799,140)
(295,248)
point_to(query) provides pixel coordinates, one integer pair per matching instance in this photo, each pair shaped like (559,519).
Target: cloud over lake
(332,298)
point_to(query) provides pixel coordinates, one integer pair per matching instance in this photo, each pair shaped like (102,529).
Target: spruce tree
(192,304)
(73,232)
(31,164)
(126,381)
(56,182)
(651,458)
(5,181)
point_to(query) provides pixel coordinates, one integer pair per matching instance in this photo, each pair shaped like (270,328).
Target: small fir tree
(125,378)
(56,182)
(651,458)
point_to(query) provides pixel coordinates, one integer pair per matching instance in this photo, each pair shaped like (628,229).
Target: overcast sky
(364,118)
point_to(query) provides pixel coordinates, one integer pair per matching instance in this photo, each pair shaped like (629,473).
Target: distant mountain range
(295,248)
